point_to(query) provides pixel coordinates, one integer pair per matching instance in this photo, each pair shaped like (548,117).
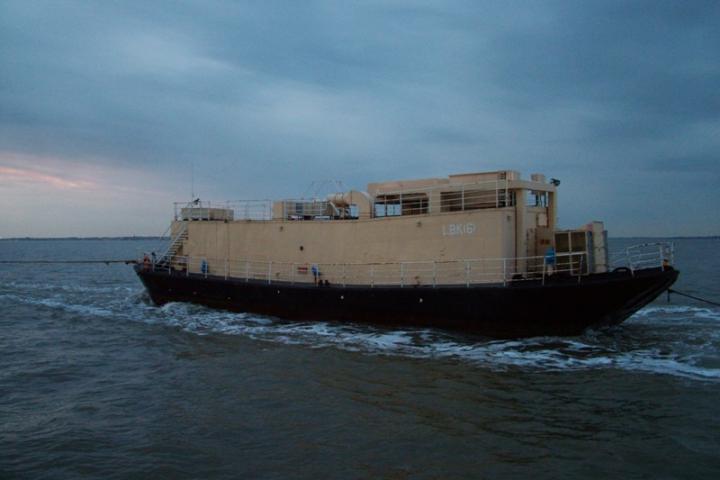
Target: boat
(478,252)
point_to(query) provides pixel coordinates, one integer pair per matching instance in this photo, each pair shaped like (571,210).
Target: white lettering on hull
(455,229)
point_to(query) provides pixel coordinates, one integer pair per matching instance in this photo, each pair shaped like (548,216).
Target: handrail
(644,255)
(169,253)
(448,198)
(199,210)
(408,274)
(404,274)
(385,203)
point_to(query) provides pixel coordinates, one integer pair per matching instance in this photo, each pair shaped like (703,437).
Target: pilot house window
(459,200)
(405,204)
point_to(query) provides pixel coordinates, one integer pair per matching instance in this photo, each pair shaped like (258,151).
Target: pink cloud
(29,176)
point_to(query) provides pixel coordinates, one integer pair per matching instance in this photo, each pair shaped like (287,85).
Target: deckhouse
(466,228)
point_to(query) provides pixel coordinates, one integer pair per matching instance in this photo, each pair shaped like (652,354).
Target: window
(401,204)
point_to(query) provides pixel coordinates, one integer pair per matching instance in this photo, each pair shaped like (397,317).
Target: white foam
(39,286)
(683,331)
(86,310)
(700,312)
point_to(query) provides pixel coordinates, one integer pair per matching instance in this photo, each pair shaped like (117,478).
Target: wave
(700,312)
(687,341)
(54,287)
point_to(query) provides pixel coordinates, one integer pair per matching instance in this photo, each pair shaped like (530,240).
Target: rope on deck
(670,290)
(45,262)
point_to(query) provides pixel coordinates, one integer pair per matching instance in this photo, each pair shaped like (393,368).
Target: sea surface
(96,382)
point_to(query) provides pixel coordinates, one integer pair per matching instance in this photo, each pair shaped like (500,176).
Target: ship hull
(560,306)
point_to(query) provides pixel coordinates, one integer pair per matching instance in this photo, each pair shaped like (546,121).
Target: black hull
(560,306)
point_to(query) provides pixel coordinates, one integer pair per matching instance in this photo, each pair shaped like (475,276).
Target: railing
(175,244)
(403,274)
(411,201)
(301,209)
(443,198)
(644,255)
(229,210)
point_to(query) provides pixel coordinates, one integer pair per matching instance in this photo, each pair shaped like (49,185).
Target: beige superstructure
(491,226)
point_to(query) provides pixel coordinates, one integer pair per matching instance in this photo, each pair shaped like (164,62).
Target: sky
(111,111)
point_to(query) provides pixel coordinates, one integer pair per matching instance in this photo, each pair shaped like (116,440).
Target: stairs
(166,258)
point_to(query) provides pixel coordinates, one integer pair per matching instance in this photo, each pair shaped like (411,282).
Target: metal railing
(419,273)
(403,274)
(411,201)
(304,209)
(229,210)
(644,255)
(443,198)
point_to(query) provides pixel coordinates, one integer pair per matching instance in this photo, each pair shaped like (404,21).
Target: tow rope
(106,262)
(670,290)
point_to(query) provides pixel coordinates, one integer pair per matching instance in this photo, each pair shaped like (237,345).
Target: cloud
(19,176)
(260,99)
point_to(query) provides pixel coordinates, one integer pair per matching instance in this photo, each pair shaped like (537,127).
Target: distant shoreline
(691,237)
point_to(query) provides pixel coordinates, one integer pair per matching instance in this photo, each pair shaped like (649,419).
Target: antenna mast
(192,180)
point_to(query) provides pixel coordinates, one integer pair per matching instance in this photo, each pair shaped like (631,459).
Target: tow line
(670,290)
(45,262)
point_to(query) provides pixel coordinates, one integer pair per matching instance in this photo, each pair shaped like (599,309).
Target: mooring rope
(106,262)
(670,290)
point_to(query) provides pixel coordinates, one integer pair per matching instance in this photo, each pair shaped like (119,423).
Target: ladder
(175,245)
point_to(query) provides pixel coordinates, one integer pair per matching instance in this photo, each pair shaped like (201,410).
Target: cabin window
(475,199)
(451,201)
(478,199)
(414,204)
(387,206)
(537,199)
(353,211)
(405,204)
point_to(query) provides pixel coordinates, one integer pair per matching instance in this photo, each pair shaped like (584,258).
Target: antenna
(192,180)
(320,188)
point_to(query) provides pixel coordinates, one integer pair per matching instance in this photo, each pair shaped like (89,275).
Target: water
(96,382)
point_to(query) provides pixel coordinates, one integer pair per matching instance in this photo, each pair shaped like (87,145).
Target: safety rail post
(402,274)
(581,267)
(672,253)
(467,274)
(504,271)
(187,265)
(586,256)
(372,276)
(247,271)
(544,270)
(226,269)
(292,274)
(269,272)
(434,273)
(661,255)
(343,275)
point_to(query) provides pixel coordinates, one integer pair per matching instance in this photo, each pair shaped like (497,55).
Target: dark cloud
(689,165)
(268,96)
